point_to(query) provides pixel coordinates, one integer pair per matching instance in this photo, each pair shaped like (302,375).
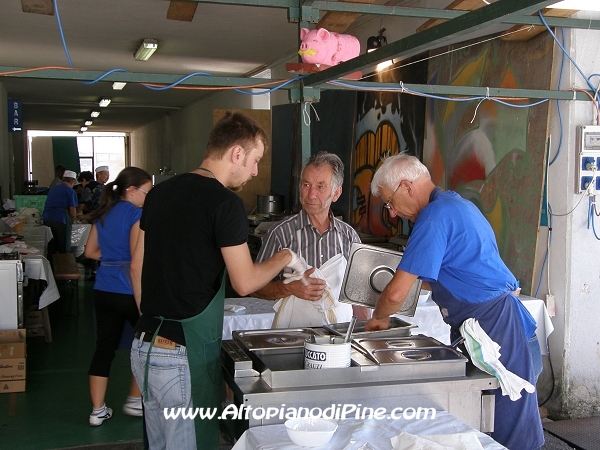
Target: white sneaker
(97,419)
(133,408)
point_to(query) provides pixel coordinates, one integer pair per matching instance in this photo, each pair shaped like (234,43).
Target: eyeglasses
(140,189)
(388,204)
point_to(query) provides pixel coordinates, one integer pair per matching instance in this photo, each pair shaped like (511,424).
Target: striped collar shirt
(299,235)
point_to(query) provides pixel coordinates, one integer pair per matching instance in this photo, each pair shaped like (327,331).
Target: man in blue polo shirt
(60,210)
(452,248)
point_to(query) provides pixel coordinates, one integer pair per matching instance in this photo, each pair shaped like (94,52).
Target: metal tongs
(348,337)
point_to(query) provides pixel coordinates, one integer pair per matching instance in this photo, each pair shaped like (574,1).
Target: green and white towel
(485,354)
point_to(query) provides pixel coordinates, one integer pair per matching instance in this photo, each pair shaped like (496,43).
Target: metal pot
(270,203)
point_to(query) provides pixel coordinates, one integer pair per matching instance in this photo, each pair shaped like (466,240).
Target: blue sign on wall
(15,121)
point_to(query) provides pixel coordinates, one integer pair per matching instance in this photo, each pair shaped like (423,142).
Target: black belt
(147,337)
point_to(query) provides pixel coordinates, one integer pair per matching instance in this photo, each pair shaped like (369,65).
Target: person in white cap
(102,176)
(60,210)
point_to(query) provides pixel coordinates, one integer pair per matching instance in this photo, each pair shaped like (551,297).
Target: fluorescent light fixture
(586,5)
(88,123)
(95,113)
(146,50)
(118,85)
(83,129)
(104,102)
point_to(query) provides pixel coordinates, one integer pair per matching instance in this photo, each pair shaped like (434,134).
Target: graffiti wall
(387,123)
(491,153)
(488,152)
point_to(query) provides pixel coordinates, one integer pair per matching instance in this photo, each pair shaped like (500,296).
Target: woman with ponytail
(116,224)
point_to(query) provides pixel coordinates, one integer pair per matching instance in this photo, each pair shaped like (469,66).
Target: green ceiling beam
(298,92)
(431,37)
(431,13)
(130,77)
(463,91)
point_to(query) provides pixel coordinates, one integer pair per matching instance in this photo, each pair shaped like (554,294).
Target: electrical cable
(62,35)
(560,122)
(563,49)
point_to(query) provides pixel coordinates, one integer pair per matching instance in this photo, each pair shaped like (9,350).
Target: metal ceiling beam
(128,77)
(431,37)
(429,13)
(464,91)
(309,10)
(296,89)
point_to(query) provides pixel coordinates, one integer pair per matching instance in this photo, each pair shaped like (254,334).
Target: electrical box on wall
(588,160)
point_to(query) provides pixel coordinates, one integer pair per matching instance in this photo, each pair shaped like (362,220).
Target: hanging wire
(62,35)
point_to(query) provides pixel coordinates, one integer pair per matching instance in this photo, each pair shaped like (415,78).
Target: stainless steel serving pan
(398,328)
(368,272)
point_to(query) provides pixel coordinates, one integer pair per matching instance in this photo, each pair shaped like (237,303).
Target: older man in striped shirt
(323,241)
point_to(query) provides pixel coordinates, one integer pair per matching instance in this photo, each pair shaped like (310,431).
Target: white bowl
(309,432)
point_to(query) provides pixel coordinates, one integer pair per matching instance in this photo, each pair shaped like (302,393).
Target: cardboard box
(12,358)
(12,386)
(12,343)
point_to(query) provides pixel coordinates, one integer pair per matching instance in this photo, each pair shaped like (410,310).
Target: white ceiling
(102,35)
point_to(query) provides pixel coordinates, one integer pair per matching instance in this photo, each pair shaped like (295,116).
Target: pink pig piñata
(322,47)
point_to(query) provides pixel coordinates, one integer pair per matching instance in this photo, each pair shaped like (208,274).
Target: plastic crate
(30,201)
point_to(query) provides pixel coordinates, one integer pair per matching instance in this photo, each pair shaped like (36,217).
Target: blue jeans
(169,386)
(536,355)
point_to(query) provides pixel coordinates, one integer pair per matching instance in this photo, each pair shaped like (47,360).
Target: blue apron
(517,425)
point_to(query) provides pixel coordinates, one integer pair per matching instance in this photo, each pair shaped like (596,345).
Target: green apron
(203,334)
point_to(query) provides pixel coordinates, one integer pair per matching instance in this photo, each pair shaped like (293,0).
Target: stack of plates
(327,352)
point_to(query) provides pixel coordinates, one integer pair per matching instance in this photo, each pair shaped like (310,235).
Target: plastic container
(327,352)
(30,201)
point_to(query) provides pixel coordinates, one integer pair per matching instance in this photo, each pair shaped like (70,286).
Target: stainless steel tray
(284,338)
(398,328)
(368,272)
(419,349)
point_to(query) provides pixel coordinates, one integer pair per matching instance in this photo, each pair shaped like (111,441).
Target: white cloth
(455,441)
(291,312)
(485,354)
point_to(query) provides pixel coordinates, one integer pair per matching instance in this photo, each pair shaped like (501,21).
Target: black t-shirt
(186,221)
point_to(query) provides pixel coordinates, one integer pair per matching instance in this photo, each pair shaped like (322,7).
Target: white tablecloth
(259,314)
(38,267)
(368,434)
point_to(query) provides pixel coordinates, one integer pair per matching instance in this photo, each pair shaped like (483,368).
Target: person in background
(60,211)
(96,186)
(116,225)
(323,241)
(59,171)
(85,197)
(452,248)
(193,227)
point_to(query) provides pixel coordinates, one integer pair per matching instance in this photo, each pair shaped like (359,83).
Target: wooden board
(527,31)
(339,21)
(45,7)
(180,10)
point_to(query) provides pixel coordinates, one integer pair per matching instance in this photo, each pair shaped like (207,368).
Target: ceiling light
(146,50)
(95,113)
(83,129)
(104,102)
(118,85)
(88,123)
(589,5)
